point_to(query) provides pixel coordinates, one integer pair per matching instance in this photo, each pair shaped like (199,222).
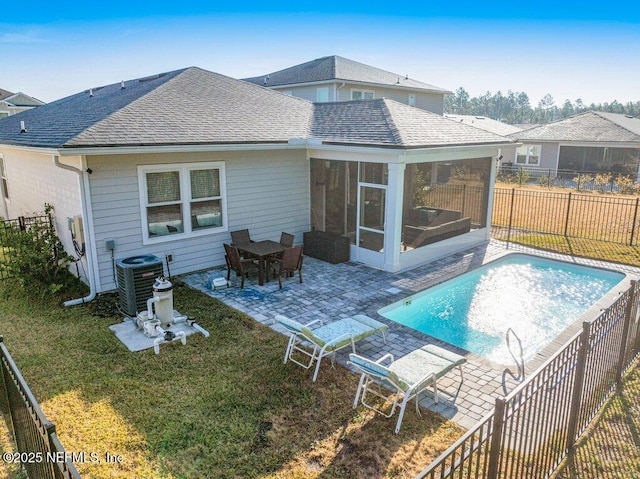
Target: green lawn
(224,406)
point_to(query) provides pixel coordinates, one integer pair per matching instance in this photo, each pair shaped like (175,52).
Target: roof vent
(629,116)
(90,91)
(23,128)
(266,79)
(122,85)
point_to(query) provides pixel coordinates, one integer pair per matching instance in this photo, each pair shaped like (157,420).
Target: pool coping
(331,292)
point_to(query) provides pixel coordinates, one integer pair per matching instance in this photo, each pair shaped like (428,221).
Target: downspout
(88,244)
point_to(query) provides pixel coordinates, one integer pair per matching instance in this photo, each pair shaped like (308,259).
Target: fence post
(21,223)
(496,438)
(578,384)
(635,219)
(513,194)
(566,220)
(628,311)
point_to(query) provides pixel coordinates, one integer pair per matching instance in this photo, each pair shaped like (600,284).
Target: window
(322,95)
(411,101)
(362,95)
(528,155)
(3,177)
(181,200)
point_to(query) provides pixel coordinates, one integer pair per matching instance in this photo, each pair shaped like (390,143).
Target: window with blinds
(181,200)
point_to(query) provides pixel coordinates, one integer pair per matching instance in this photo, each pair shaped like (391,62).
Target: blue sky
(567,49)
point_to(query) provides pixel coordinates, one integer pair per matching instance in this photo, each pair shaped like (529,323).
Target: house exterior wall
(33,180)
(267,192)
(433,102)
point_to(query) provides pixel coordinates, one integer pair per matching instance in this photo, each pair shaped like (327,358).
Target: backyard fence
(600,181)
(38,448)
(8,228)
(574,215)
(534,428)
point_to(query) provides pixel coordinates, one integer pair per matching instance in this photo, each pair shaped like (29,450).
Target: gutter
(88,244)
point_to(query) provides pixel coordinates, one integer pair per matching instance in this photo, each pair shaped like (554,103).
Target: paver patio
(334,291)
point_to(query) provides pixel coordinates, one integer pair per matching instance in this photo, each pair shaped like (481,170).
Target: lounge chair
(327,339)
(407,377)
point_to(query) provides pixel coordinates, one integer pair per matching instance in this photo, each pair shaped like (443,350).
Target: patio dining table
(262,250)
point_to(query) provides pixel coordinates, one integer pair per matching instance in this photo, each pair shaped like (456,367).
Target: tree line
(515,107)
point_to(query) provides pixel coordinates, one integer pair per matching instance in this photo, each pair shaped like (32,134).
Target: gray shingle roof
(487,124)
(194,106)
(4,94)
(189,106)
(591,126)
(341,69)
(384,122)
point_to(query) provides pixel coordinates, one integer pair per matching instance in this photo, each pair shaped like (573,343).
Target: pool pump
(160,316)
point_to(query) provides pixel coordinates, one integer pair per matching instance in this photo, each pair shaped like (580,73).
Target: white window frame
(185,201)
(322,94)
(525,150)
(363,93)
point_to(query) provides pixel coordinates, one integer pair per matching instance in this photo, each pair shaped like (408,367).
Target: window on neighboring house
(182,200)
(411,101)
(3,176)
(528,155)
(322,95)
(362,94)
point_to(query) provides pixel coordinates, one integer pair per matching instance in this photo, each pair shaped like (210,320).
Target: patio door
(371,224)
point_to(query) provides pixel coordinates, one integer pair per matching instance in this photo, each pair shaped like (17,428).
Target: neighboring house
(12,103)
(505,155)
(587,142)
(335,78)
(151,182)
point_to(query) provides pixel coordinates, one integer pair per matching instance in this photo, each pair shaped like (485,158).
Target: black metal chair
(241,266)
(288,263)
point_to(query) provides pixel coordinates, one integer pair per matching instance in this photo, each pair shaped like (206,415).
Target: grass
(224,406)
(610,446)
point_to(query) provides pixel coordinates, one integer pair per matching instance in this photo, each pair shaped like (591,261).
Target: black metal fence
(602,218)
(8,228)
(533,428)
(38,448)
(600,181)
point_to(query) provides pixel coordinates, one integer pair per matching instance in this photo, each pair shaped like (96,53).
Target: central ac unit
(136,276)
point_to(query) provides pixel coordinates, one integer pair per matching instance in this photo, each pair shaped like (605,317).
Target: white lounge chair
(405,378)
(327,339)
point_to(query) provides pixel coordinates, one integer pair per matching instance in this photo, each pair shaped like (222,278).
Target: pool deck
(334,291)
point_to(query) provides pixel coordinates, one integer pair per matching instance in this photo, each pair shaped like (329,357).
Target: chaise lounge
(327,339)
(404,378)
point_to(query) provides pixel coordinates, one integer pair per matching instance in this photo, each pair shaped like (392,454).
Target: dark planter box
(328,247)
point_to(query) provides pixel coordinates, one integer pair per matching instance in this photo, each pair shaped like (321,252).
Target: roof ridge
(388,116)
(616,123)
(176,74)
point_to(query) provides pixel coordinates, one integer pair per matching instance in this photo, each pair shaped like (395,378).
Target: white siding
(267,192)
(34,180)
(433,102)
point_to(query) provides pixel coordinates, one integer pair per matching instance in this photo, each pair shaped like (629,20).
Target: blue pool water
(536,297)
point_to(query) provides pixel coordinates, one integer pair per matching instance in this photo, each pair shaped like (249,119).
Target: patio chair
(287,239)
(326,339)
(242,237)
(241,266)
(289,262)
(405,378)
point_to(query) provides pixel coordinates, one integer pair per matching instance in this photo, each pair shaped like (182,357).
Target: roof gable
(590,126)
(336,68)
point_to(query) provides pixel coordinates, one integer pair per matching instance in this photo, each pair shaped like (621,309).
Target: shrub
(35,257)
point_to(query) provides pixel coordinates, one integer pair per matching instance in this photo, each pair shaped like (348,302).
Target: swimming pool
(536,297)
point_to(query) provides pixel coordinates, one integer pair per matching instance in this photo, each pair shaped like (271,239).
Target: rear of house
(143,181)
